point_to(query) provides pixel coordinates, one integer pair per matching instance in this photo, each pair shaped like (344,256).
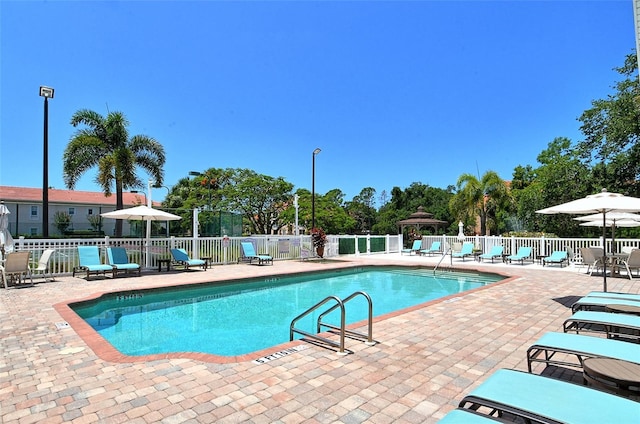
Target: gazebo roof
(421,219)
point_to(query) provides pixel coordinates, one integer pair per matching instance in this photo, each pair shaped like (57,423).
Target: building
(82,207)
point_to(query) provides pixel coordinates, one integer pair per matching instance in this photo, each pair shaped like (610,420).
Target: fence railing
(227,250)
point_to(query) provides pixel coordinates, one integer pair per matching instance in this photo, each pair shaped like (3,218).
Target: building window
(33,231)
(34,212)
(72,211)
(90,211)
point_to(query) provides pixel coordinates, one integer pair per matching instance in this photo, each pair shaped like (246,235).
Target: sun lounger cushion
(532,396)
(182,257)
(89,258)
(614,295)
(552,343)
(118,258)
(415,248)
(465,416)
(599,303)
(249,253)
(612,324)
(435,248)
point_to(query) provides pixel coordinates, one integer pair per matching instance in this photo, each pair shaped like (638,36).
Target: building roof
(34,195)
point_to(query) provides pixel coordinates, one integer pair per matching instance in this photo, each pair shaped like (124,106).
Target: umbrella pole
(604,242)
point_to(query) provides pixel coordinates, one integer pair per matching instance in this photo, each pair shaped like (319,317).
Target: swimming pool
(240,317)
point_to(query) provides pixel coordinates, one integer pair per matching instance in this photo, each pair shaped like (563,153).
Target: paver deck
(428,358)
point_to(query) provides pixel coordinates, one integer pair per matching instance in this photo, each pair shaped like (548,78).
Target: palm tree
(104,143)
(479,197)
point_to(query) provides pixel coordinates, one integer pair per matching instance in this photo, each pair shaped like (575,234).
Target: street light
(47,93)
(140,192)
(313,188)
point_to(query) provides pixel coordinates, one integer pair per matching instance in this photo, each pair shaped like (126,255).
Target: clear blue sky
(392,92)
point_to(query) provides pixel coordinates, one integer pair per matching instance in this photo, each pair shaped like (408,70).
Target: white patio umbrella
(601,204)
(6,241)
(142,213)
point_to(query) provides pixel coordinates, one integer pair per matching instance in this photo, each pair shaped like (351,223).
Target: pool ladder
(341,330)
(444,255)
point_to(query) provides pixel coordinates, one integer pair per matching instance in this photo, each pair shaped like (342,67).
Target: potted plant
(319,239)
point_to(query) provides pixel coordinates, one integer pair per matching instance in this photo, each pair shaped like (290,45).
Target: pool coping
(104,350)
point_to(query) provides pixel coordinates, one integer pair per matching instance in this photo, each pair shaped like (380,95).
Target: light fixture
(47,93)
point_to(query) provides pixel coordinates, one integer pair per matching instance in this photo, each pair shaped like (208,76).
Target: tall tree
(479,197)
(104,142)
(612,131)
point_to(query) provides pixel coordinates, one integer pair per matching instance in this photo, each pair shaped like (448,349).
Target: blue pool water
(243,317)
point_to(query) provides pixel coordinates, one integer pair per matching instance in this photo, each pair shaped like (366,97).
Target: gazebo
(421,219)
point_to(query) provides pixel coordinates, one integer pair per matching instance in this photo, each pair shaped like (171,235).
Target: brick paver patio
(426,360)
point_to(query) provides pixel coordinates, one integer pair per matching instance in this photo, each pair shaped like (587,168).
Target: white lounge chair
(43,264)
(16,265)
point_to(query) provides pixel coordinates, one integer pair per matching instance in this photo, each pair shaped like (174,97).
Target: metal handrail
(340,346)
(444,255)
(369,335)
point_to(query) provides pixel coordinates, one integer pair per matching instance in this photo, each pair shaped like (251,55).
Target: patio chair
(249,252)
(415,248)
(89,258)
(435,248)
(16,265)
(495,252)
(566,345)
(467,250)
(589,303)
(118,258)
(557,257)
(614,325)
(181,257)
(632,262)
(43,264)
(524,252)
(532,397)
(592,257)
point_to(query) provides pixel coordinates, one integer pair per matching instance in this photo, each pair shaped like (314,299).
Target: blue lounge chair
(614,295)
(614,325)
(557,257)
(117,257)
(547,400)
(552,343)
(588,303)
(466,416)
(249,253)
(415,248)
(435,248)
(182,258)
(524,252)
(467,250)
(89,259)
(495,252)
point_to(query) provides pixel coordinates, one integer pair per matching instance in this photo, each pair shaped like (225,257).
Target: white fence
(227,250)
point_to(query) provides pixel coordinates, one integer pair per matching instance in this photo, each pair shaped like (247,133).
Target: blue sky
(392,92)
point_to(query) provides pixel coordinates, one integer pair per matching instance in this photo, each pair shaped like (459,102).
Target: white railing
(227,250)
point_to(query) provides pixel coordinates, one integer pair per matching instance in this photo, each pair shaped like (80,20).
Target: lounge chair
(435,248)
(524,252)
(467,250)
(466,416)
(89,258)
(551,344)
(592,257)
(614,295)
(557,257)
(43,264)
(118,258)
(547,400)
(614,325)
(632,262)
(415,248)
(588,303)
(181,257)
(495,252)
(16,265)
(249,252)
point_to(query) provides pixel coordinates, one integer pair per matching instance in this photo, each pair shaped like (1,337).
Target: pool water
(243,317)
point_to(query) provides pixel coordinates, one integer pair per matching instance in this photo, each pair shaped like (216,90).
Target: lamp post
(210,207)
(47,93)
(313,188)
(140,192)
